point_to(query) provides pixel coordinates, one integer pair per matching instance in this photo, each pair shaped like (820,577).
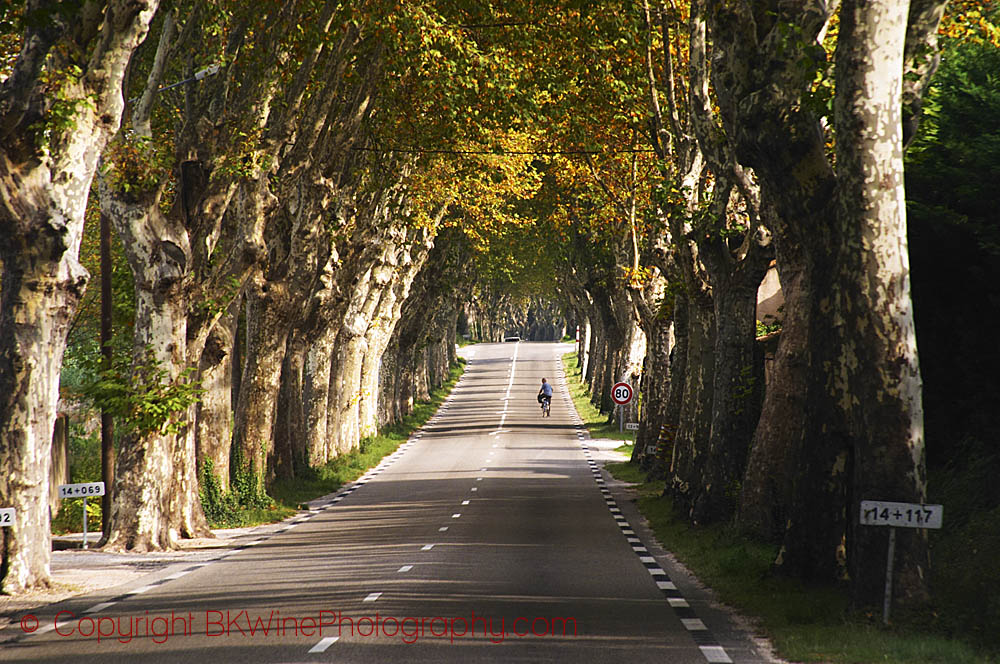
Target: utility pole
(107,422)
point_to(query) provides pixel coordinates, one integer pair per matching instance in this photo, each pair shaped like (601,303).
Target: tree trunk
(412,259)
(45,175)
(214,435)
(695,423)
(155,491)
(37,301)
(316,386)
(657,374)
(155,494)
(345,377)
(289,429)
(734,407)
(778,440)
(268,325)
(863,424)
(878,364)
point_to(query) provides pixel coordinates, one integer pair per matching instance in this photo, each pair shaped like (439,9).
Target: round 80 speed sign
(621,393)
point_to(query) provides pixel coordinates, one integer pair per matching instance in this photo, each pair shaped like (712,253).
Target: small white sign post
(82,491)
(621,394)
(7,515)
(897,515)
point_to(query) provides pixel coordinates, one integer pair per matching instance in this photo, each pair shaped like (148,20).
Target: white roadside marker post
(82,490)
(897,515)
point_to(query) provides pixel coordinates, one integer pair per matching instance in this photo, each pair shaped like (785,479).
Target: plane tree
(840,228)
(60,103)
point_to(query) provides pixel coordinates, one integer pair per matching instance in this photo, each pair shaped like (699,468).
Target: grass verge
(597,422)
(806,623)
(290,494)
(285,496)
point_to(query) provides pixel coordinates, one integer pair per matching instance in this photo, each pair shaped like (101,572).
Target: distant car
(513,338)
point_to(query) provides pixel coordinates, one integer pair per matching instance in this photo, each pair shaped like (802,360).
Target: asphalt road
(490,537)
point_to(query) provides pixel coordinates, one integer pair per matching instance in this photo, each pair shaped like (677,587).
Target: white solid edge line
(324,643)
(715,654)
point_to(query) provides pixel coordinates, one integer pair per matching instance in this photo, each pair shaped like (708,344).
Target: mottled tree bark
(734,413)
(657,325)
(878,367)
(863,420)
(152,467)
(412,259)
(45,175)
(289,424)
(316,385)
(215,409)
(269,320)
(675,390)
(780,434)
(694,424)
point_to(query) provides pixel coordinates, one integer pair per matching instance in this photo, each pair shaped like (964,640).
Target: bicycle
(546,406)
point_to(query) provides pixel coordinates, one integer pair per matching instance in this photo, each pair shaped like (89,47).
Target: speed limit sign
(621,393)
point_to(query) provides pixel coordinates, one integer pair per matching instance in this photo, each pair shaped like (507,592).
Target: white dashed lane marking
(100,607)
(324,643)
(372,597)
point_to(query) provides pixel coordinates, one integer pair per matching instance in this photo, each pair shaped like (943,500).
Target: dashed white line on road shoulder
(715,654)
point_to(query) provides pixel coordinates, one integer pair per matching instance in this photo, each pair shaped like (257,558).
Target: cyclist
(545,398)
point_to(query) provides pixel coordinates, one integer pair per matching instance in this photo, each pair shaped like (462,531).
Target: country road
(490,537)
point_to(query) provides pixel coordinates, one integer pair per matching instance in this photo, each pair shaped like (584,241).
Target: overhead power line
(501,153)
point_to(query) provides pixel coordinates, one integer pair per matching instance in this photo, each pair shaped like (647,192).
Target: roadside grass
(285,496)
(314,483)
(805,623)
(597,423)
